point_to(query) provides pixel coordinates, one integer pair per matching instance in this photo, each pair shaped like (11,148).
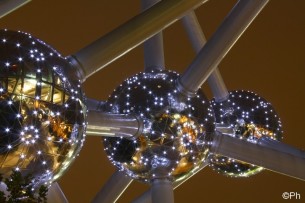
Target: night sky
(268,59)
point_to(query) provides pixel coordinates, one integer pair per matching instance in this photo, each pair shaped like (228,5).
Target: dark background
(269,59)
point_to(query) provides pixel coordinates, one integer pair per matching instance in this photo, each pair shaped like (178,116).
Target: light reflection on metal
(279,157)
(42,115)
(233,26)
(176,133)
(244,115)
(113,125)
(31,94)
(8,6)
(113,188)
(129,35)
(153,47)
(55,194)
(198,40)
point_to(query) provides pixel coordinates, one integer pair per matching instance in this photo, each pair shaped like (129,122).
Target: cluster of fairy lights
(41,98)
(250,117)
(173,139)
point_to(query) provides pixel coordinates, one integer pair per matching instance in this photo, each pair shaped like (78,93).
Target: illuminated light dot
(44,162)
(9,146)
(7,129)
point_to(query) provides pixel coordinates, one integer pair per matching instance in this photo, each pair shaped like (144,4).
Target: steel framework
(147,28)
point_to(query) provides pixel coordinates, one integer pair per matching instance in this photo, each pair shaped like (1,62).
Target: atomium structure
(157,127)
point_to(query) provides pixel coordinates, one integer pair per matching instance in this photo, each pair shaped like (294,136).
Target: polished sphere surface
(247,116)
(42,114)
(177,128)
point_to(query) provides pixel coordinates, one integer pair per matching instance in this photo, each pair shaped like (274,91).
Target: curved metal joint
(183,90)
(76,71)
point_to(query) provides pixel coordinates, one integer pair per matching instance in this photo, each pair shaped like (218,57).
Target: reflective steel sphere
(41,113)
(249,117)
(177,128)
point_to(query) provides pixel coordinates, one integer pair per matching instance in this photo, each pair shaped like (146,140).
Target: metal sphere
(41,113)
(249,117)
(177,128)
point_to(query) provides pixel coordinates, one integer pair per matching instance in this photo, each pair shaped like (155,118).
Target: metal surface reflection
(42,115)
(177,128)
(249,117)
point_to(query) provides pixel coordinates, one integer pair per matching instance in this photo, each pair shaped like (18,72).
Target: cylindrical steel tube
(153,47)
(55,194)
(146,196)
(8,6)
(270,154)
(129,35)
(162,191)
(113,125)
(198,40)
(113,188)
(220,43)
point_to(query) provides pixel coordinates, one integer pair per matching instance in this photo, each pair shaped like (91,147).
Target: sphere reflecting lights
(249,117)
(177,129)
(42,115)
